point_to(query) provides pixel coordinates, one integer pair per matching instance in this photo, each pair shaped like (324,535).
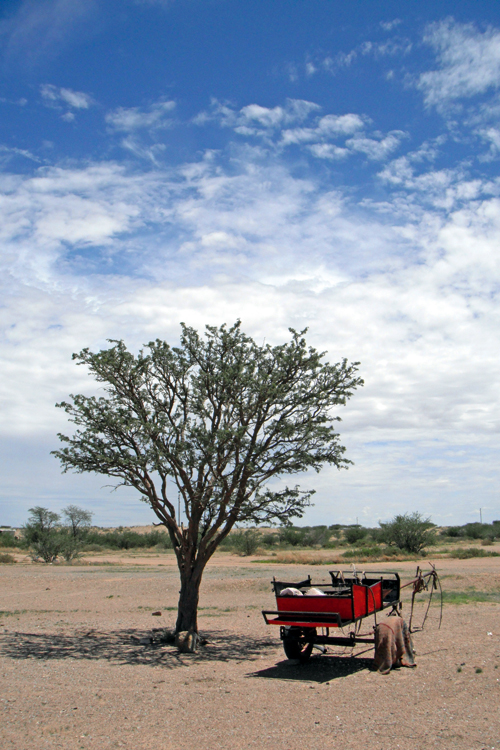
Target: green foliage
(474,531)
(246,542)
(409,532)
(47,539)
(462,553)
(354,534)
(269,540)
(216,418)
(7,539)
(78,520)
(127,539)
(73,534)
(470,596)
(41,534)
(291,536)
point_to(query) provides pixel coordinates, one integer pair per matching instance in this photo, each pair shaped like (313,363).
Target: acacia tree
(410,532)
(41,534)
(215,419)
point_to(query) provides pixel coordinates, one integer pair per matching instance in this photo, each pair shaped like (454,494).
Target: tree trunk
(187,615)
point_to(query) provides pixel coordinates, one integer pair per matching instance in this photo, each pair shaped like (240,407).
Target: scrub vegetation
(48,537)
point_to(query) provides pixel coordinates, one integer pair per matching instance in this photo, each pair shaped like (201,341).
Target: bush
(474,531)
(246,542)
(453,531)
(269,539)
(466,554)
(354,534)
(7,539)
(307,536)
(291,536)
(124,539)
(7,559)
(41,535)
(47,539)
(409,532)
(316,536)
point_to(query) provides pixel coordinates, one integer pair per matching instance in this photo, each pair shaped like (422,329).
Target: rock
(156,614)
(187,641)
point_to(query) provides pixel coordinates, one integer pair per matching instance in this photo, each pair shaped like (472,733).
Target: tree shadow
(131,646)
(322,668)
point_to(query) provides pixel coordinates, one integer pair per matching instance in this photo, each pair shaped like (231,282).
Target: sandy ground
(78,668)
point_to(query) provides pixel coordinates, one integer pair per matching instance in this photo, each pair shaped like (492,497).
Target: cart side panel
(359,601)
(375,597)
(324,604)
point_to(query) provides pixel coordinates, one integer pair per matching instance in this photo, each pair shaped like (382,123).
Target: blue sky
(302,163)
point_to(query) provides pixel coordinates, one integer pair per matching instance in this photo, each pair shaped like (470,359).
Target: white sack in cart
(291,592)
(314,592)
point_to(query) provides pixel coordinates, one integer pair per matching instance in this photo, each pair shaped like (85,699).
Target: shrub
(453,531)
(466,554)
(7,539)
(126,539)
(316,536)
(354,534)
(476,530)
(409,532)
(246,542)
(292,536)
(269,540)
(7,559)
(41,535)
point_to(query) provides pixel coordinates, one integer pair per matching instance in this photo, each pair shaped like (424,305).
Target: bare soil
(82,667)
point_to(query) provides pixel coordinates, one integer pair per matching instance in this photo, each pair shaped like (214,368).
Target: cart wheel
(296,647)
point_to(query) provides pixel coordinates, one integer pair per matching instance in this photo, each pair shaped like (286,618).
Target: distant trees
(47,538)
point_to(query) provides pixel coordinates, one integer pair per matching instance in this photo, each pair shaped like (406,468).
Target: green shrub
(453,531)
(41,535)
(246,542)
(7,539)
(354,534)
(409,532)
(126,539)
(269,540)
(467,553)
(291,536)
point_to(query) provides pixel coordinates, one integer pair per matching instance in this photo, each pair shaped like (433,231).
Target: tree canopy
(217,419)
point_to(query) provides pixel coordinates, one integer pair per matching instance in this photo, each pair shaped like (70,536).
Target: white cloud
(328,151)
(254,119)
(333,64)
(132,119)
(10,151)
(390,25)
(56,97)
(376,148)
(330,126)
(469,62)
(272,125)
(408,285)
